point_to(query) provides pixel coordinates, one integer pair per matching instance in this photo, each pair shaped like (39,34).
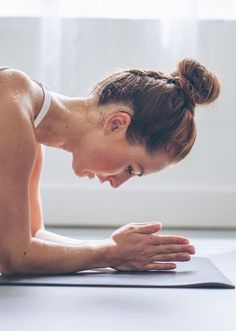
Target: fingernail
(186,256)
(155,224)
(192,249)
(172,266)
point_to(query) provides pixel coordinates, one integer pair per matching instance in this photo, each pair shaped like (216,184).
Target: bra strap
(45,107)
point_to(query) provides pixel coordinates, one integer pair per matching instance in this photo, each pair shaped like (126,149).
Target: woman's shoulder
(16,99)
(18,144)
(12,78)
(18,88)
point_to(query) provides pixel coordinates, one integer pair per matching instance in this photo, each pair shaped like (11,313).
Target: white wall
(201,190)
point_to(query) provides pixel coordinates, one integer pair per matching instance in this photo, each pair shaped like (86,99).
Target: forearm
(47,257)
(53,237)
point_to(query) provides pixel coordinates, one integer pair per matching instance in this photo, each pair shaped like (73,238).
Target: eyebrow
(142,170)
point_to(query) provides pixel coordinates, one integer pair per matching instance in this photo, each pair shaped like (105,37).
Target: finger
(160,266)
(148,228)
(163,239)
(166,249)
(171,257)
(145,223)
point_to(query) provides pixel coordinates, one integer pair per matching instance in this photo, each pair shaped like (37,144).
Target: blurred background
(72,44)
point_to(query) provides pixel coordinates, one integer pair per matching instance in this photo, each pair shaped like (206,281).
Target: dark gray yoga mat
(200,272)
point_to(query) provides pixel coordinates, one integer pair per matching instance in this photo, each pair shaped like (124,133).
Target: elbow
(5,268)
(4,264)
(13,263)
(12,269)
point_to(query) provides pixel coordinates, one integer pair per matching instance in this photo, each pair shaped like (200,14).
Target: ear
(116,122)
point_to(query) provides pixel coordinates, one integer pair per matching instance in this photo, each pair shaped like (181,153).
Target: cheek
(106,163)
(99,161)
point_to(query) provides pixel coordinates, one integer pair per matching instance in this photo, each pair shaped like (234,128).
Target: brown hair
(163,105)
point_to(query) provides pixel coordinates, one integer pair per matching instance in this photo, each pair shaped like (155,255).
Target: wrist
(103,253)
(108,252)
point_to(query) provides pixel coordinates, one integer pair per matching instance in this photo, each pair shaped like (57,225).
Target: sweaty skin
(98,149)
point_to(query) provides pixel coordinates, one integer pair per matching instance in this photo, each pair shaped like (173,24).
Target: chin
(76,171)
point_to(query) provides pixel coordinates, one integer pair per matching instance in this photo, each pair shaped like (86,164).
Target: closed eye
(129,170)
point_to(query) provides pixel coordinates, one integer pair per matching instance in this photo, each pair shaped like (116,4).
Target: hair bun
(202,85)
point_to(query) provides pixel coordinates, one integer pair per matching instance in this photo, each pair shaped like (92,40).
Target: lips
(90,175)
(110,181)
(102,180)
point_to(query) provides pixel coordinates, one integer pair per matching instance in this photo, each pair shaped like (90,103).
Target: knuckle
(169,250)
(131,226)
(166,257)
(161,257)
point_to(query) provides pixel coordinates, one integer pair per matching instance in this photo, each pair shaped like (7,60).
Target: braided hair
(163,105)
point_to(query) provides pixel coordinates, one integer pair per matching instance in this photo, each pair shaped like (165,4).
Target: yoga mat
(200,272)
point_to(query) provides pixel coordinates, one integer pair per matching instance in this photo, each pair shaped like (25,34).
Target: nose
(115,181)
(118,181)
(101,179)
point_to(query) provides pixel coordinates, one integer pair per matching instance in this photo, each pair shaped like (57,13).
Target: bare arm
(54,237)
(21,253)
(36,211)
(44,257)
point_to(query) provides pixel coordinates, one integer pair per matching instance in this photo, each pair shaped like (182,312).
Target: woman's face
(105,153)
(117,164)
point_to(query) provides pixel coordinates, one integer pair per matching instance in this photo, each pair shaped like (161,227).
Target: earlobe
(116,122)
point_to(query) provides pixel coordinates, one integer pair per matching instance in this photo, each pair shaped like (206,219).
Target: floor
(49,308)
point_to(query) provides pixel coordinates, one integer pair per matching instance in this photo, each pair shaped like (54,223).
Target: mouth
(110,181)
(90,175)
(102,180)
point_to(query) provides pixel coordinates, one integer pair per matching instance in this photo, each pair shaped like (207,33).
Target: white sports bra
(46,102)
(46,105)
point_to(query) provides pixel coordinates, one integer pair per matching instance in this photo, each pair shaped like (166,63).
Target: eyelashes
(129,170)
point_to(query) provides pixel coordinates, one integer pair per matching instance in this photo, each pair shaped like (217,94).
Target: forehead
(152,163)
(156,163)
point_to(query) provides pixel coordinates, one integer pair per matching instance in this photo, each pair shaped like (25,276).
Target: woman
(134,123)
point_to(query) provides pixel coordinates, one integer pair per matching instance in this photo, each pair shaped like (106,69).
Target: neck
(65,122)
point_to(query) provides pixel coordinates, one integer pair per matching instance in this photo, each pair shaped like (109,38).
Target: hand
(134,247)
